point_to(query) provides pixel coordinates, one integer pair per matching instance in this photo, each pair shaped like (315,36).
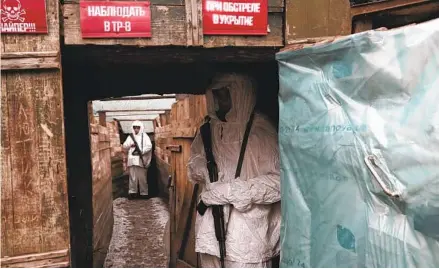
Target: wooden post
(90,112)
(34,206)
(185,117)
(102,118)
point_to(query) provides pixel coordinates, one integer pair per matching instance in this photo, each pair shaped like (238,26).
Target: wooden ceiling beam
(132,98)
(135,119)
(384,6)
(129,110)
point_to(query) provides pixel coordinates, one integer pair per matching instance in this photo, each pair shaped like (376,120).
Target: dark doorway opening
(93,73)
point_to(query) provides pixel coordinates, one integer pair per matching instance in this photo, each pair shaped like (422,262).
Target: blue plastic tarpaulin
(359,145)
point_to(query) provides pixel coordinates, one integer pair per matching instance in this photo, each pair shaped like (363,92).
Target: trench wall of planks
(106,156)
(174,133)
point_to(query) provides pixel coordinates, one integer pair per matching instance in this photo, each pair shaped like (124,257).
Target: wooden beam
(90,112)
(384,6)
(194,26)
(30,60)
(308,42)
(129,110)
(102,118)
(416,10)
(172,96)
(136,119)
(133,114)
(177,25)
(132,118)
(46,259)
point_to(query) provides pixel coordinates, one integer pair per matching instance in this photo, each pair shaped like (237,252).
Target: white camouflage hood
(242,92)
(137,123)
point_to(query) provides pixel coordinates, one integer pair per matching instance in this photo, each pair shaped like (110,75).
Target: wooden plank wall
(113,135)
(118,156)
(305,19)
(316,18)
(102,192)
(34,201)
(173,141)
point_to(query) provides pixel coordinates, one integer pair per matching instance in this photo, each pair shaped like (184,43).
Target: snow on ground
(138,234)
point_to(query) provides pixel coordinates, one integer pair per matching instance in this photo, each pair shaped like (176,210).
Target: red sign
(235,17)
(115,19)
(23,16)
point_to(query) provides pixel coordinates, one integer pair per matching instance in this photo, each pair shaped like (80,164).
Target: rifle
(212,168)
(137,148)
(217,210)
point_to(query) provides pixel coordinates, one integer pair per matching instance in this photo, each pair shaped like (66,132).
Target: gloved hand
(213,194)
(202,207)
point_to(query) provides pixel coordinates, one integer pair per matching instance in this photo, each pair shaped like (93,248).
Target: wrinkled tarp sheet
(370,94)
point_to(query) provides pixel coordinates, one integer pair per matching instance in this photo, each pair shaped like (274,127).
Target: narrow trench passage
(138,232)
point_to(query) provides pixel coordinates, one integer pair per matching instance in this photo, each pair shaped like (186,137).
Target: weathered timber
(163,173)
(35,219)
(384,6)
(131,110)
(273,39)
(194,17)
(168,26)
(52,259)
(121,55)
(271,3)
(13,43)
(173,142)
(34,192)
(29,60)
(135,119)
(176,25)
(166,96)
(101,149)
(153,2)
(316,18)
(102,118)
(135,113)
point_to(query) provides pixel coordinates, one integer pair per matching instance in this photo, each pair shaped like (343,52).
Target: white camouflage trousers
(138,176)
(209,261)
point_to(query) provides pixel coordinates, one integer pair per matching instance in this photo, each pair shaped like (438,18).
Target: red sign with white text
(235,17)
(115,19)
(23,16)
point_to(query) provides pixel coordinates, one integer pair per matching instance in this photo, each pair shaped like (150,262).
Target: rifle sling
(206,137)
(244,145)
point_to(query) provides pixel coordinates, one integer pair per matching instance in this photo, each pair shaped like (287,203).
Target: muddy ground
(138,234)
